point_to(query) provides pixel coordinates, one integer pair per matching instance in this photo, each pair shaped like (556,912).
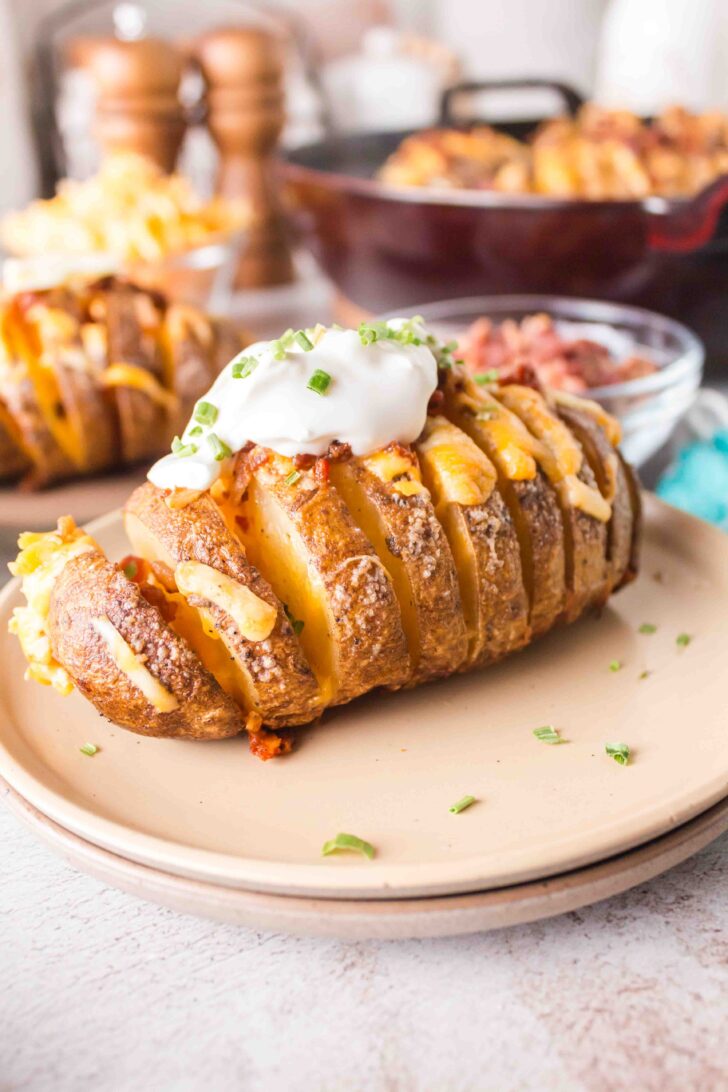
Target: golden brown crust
(281,684)
(90,588)
(13,460)
(413,548)
(611,477)
(364,630)
(47,462)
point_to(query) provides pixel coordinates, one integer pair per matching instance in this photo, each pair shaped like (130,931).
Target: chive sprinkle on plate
(618,751)
(615,665)
(463,804)
(647,627)
(348,843)
(89,749)
(548,734)
(683,640)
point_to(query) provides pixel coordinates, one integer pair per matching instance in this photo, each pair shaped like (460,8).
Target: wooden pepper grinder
(138,107)
(242,68)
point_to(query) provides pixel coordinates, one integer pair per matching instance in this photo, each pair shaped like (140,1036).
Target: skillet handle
(689,225)
(569,96)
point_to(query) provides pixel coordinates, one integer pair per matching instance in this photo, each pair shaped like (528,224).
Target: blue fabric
(698,480)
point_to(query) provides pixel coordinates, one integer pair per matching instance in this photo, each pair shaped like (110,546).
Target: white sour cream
(378,394)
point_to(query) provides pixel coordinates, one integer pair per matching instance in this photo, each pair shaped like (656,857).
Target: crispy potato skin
(281,681)
(89,588)
(13,460)
(415,542)
(611,477)
(48,463)
(364,623)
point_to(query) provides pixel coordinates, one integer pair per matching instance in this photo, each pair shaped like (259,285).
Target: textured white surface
(100,991)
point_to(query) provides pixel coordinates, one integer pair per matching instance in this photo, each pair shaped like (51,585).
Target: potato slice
(123,657)
(530,499)
(385,495)
(224,608)
(584,510)
(611,478)
(463,484)
(298,533)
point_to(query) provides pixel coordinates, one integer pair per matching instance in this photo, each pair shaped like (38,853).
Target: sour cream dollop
(377,394)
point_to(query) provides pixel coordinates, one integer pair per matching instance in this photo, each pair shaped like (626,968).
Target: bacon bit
(242,522)
(164,575)
(338,452)
(156,597)
(264,744)
(322,471)
(303,462)
(437,401)
(521,373)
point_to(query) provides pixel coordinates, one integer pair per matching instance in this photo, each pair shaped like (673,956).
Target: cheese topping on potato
(254,618)
(298,394)
(132,666)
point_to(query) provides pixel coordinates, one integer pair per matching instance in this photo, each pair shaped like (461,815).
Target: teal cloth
(698,480)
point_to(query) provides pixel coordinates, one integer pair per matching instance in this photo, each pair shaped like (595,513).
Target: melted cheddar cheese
(132,666)
(254,618)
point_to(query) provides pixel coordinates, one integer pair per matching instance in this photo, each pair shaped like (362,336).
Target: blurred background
(280,128)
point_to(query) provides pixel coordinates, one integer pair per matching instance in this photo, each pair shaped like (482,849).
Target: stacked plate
(207,829)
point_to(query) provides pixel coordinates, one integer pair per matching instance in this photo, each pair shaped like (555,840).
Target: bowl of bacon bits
(643,367)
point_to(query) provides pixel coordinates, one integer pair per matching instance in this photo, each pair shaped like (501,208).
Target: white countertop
(101,991)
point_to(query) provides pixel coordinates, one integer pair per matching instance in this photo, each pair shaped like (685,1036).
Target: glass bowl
(648,408)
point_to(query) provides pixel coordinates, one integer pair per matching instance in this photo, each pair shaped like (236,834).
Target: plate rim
(345,880)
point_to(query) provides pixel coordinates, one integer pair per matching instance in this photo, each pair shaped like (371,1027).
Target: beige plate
(84,499)
(388,919)
(388,767)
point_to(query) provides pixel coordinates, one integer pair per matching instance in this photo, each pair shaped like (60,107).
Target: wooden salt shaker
(242,68)
(138,107)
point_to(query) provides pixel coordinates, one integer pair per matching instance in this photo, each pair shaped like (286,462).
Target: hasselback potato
(97,376)
(294,583)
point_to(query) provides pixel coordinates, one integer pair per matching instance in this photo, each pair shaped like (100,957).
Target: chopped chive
(292,478)
(348,842)
(282,344)
(549,734)
(462,804)
(181,450)
(487,377)
(319,382)
(219,448)
(303,340)
(205,413)
(647,627)
(196,431)
(243,366)
(618,751)
(89,749)
(683,640)
(450,346)
(130,570)
(296,623)
(615,665)
(644,675)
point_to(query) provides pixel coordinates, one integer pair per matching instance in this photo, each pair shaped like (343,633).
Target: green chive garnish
(462,804)
(348,842)
(647,627)
(89,749)
(282,344)
(243,366)
(319,382)
(548,734)
(615,665)
(196,431)
(644,675)
(205,413)
(618,751)
(292,478)
(296,623)
(683,640)
(487,377)
(182,450)
(130,570)
(219,448)
(303,340)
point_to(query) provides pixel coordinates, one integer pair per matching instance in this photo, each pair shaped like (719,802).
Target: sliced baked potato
(389,503)
(463,484)
(86,625)
(299,535)
(585,512)
(223,607)
(531,501)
